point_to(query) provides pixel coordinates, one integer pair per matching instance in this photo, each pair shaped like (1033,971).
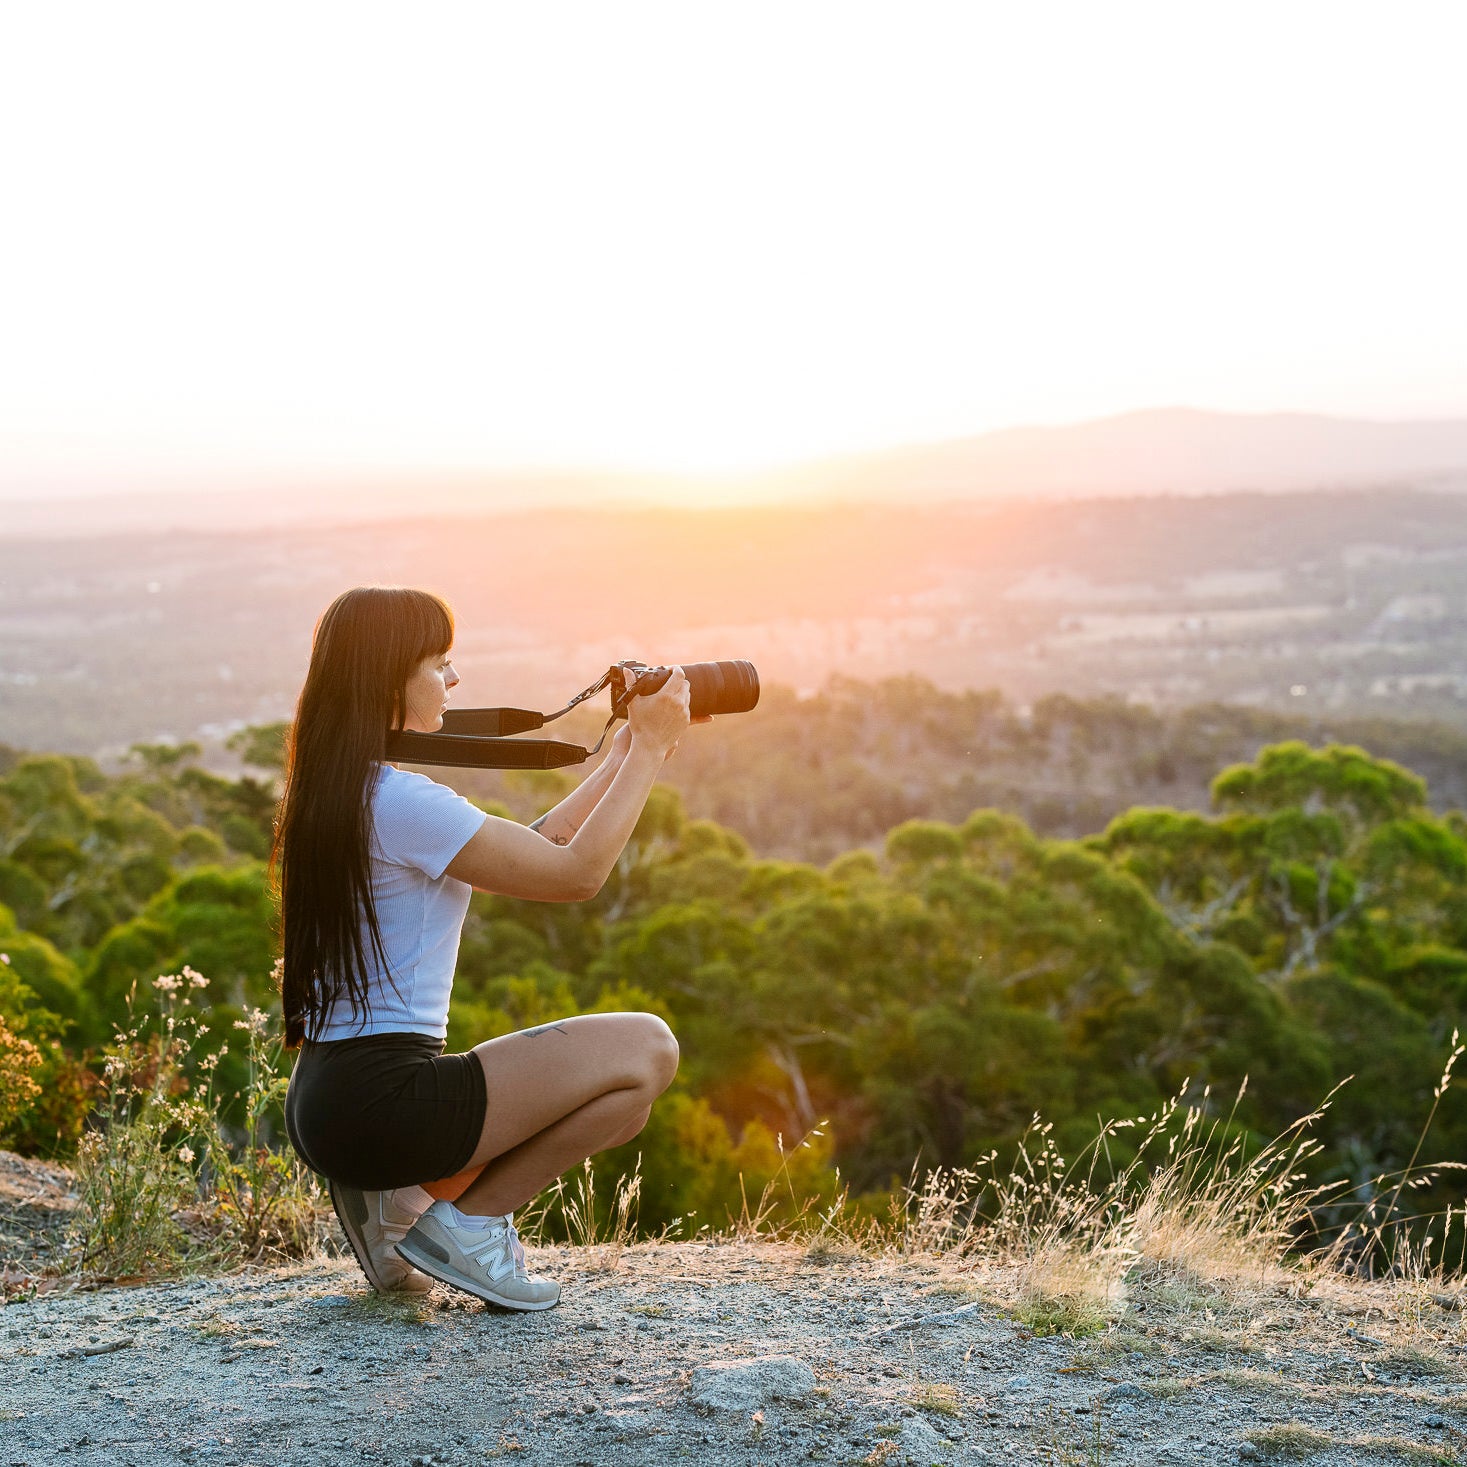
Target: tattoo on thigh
(540,1029)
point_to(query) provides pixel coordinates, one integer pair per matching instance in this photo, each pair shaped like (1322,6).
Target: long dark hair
(366,646)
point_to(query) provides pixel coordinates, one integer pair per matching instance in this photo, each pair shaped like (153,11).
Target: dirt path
(724,1353)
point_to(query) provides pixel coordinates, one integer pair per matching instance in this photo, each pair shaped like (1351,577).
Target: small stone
(1248,1452)
(920,1443)
(1435,1422)
(1018,1383)
(745,1385)
(1127,1391)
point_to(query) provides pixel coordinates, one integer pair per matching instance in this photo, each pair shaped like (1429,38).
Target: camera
(481,738)
(714,687)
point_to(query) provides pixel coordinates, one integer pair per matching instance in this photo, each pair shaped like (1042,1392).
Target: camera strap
(474,738)
(468,751)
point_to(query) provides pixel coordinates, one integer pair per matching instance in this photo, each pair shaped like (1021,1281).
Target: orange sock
(450,1189)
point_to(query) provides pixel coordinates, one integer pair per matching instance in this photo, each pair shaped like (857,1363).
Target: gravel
(736,1353)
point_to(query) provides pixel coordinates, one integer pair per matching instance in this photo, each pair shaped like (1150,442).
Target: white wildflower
(255,1021)
(195,978)
(5,958)
(168,983)
(186,1154)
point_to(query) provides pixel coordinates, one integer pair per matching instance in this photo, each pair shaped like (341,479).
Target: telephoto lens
(721,687)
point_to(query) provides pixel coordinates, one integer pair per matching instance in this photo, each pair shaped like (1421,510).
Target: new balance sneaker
(483,1256)
(374,1224)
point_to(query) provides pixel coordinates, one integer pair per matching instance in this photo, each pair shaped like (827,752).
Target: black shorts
(385,1110)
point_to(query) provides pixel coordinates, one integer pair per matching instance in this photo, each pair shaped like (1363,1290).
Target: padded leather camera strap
(468,752)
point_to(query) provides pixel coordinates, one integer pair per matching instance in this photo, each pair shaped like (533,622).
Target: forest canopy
(912,1002)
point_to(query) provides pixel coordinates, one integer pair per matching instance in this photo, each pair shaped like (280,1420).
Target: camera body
(715,687)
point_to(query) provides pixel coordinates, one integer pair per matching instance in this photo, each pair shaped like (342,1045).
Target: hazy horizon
(1144,453)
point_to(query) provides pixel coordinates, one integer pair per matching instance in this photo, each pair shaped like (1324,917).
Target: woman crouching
(428,1155)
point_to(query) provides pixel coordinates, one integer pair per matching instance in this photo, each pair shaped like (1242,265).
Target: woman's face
(427,693)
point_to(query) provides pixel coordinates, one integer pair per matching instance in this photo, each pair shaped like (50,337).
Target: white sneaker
(483,1257)
(374,1224)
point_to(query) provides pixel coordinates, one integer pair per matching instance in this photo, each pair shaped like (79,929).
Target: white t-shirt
(418,827)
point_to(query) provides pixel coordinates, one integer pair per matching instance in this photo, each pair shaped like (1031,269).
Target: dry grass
(936,1396)
(1191,1215)
(1066,1290)
(1291,1439)
(1426,1249)
(1193,1221)
(1295,1441)
(1222,1342)
(1249,1379)
(603,1235)
(1412,1360)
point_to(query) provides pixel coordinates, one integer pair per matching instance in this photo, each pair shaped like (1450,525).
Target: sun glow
(663,238)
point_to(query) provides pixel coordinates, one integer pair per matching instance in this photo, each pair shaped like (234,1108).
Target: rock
(105,1347)
(1248,1452)
(921,1444)
(1127,1393)
(745,1385)
(1435,1422)
(1018,1383)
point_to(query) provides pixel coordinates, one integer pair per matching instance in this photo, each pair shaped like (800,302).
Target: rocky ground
(734,1353)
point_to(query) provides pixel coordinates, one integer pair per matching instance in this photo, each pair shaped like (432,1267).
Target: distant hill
(1161,451)
(1158,451)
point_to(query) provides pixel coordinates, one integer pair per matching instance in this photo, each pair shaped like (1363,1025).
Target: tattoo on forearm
(559,840)
(540,1029)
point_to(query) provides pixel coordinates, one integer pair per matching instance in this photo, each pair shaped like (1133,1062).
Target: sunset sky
(310,236)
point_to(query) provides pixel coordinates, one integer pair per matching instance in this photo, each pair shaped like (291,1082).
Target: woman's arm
(514,860)
(561,822)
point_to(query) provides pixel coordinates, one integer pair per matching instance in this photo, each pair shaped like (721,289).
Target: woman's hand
(621,744)
(660,719)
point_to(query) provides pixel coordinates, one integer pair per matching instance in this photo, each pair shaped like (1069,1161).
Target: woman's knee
(659,1051)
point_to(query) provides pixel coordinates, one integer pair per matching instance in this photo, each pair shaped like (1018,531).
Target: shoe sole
(342,1199)
(445,1274)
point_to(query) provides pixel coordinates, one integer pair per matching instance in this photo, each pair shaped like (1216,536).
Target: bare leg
(558,1094)
(511,1180)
